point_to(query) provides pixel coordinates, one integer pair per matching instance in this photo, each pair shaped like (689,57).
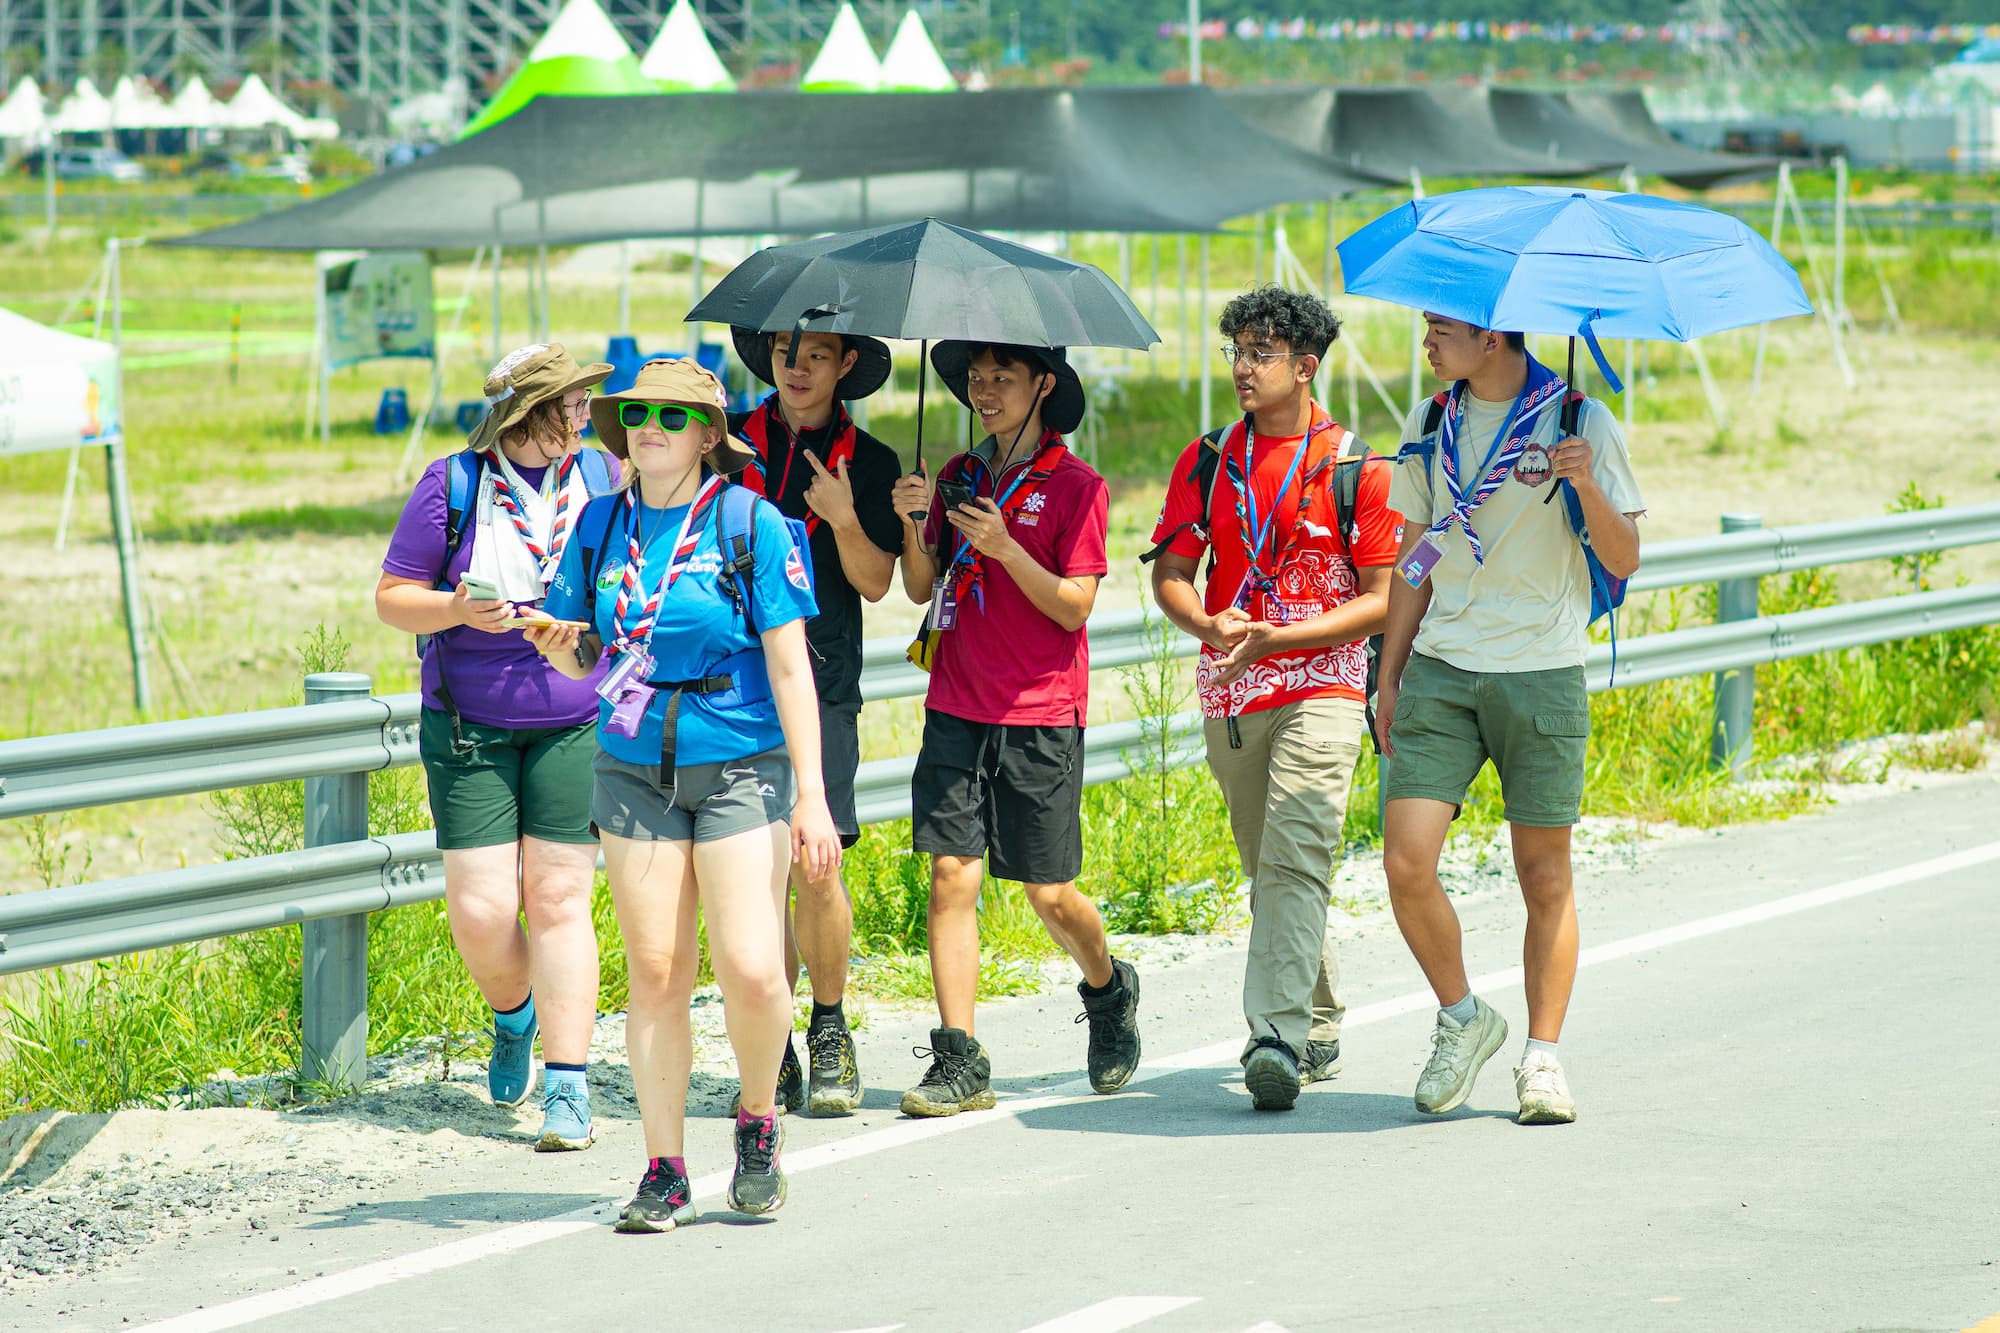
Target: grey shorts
(1533,725)
(707,801)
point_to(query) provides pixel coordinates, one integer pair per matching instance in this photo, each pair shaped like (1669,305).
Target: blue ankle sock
(518,1020)
(558,1075)
(1464,1011)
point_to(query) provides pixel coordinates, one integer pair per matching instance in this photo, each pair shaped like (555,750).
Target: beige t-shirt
(1527,607)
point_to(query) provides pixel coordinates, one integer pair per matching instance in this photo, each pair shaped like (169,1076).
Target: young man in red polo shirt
(1008,559)
(1295,586)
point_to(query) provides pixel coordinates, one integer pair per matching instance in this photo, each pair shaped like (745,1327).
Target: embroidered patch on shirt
(795,571)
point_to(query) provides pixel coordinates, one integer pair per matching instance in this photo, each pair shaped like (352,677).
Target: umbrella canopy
(846,63)
(927,279)
(1545,259)
(681,59)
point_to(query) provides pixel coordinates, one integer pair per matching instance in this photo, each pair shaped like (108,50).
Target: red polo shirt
(1006,662)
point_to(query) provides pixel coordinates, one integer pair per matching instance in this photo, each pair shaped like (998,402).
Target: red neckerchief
(967,566)
(759,428)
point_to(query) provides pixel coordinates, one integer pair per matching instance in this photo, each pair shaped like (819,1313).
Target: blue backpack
(1607,592)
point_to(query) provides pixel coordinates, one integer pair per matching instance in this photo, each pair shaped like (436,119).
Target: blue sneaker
(565,1116)
(510,1074)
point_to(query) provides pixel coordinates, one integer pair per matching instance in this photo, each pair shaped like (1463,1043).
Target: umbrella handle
(1566,423)
(923,373)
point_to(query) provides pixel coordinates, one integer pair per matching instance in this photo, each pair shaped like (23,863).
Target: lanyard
(1031,471)
(634,633)
(1256,536)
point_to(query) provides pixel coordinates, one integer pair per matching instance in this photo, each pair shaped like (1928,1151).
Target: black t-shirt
(835,633)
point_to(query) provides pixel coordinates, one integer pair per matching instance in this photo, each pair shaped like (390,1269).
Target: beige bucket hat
(526,378)
(673,380)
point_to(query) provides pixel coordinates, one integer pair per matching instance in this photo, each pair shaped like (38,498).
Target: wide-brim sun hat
(526,378)
(1062,410)
(869,372)
(673,380)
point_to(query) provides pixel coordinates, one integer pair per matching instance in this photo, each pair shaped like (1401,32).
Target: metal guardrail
(333,745)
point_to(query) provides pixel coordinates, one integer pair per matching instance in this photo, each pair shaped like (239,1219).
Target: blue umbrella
(1549,259)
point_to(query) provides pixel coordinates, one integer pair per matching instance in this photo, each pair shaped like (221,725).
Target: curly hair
(1301,319)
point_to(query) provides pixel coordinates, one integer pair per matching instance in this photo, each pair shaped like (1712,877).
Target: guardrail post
(1736,689)
(335,979)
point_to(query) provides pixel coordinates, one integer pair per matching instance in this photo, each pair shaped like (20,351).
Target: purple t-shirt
(497,680)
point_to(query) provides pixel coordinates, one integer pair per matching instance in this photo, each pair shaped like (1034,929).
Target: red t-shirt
(1007,662)
(1304,555)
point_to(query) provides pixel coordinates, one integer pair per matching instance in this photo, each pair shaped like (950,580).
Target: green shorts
(1533,725)
(511,783)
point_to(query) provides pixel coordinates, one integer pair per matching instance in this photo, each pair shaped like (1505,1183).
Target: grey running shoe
(835,1087)
(1457,1052)
(1272,1076)
(664,1201)
(1322,1061)
(960,1077)
(758,1185)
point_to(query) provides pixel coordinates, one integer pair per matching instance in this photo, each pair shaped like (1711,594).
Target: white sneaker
(1457,1052)
(1544,1094)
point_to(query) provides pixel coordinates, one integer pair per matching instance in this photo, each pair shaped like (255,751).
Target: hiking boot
(511,1071)
(664,1201)
(791,1084)
(1322,1061)
(565,1117)
(758,1185)
(1544,1094)
(1457,1052)
(1272,1076)
(836,1078)
(1114,1029)
(960,1077)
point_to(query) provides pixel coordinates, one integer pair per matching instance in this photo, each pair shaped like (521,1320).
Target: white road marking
(1110,1316)
(1267,1327)
(506,1239)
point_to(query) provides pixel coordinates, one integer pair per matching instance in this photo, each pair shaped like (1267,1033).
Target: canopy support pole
(1207,416)
(422,419)
(1180,249)
(1257,254)
(1777,239)
(1326,263)
(1708,386)
(1840,242)
(1828,315)
(1153,299)
(694,261)
(496,291)
(1416,316)
(121,499)
(624,286)
(102,280)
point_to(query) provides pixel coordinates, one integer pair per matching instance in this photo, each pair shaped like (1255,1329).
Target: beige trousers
(1286,788)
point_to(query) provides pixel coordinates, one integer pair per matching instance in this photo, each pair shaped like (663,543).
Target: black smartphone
(954,494)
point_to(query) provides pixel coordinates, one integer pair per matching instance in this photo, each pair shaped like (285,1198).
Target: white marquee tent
(84,111)
(913,64)
(681,60)
(846,63)
(22,116)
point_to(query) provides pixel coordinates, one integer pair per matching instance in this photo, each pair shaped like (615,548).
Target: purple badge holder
(1422,560)
(624,687)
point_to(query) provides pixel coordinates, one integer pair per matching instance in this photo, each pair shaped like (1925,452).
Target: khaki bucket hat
(526,378)
(673,380)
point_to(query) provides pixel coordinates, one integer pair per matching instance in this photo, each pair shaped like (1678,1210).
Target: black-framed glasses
(1232,354)
(671,416)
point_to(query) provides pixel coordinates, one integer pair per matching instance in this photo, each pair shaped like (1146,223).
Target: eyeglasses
(580,404)
(671,416)
(1232,354)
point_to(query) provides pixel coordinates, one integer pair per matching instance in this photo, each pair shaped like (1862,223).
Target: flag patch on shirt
(795,570)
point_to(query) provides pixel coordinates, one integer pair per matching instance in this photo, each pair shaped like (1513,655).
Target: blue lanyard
(1255,537)
(1026,466)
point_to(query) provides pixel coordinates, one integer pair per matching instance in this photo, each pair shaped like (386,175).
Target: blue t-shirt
(697,629)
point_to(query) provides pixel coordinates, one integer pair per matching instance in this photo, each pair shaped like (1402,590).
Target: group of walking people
(656,649)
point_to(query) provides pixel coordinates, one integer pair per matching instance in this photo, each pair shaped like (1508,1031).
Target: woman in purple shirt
(507,741)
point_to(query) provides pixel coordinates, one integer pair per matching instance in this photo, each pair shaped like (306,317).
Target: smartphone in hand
(481,590)
(953,494)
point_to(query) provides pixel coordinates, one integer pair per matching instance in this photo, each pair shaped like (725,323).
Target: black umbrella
(926,280)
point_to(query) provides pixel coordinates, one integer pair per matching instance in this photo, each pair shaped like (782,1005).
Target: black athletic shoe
(791,1085)
(1114,1029)
(1322,1061)
(1272,1075)
(836,1078)
(758,1185)
(960,1077)
(664,1201)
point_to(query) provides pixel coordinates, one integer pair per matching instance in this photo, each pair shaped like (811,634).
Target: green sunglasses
(671,416)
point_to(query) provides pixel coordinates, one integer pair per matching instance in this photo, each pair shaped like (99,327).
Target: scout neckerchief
(1256,537)
(759,429)
(634,633)
(1543,390)
(967,566)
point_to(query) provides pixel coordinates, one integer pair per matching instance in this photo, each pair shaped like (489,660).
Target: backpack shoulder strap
(735,536)
(1207,467)
(596,465)
(593,529)
(462,473)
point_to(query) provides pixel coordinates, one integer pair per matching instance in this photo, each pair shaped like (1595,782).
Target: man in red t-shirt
(1294,588)
(1008,558)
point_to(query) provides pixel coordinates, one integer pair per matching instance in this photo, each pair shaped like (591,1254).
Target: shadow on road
(450,1212)
(1202,1103)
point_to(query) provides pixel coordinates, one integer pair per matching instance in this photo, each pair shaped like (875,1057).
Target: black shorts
(1013,794)
(839,759)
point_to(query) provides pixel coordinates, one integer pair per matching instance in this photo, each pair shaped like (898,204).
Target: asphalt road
(1789,1101)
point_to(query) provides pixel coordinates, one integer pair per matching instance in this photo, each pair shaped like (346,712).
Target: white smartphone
(481,590)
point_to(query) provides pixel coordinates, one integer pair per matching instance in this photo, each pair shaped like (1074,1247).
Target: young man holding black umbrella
(816,465)
(1008,557)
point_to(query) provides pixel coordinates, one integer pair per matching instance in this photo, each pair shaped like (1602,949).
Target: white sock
(1538,1052)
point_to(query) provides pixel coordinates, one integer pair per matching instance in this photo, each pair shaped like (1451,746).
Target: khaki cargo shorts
(1533,725)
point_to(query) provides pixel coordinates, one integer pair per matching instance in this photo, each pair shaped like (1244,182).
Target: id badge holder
(1423,558)
(631,669)
(628,714)
(944,605)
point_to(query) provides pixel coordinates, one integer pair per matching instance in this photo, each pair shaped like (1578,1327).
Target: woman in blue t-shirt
(707,775)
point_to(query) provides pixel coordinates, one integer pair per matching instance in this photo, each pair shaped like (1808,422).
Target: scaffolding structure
(376,53)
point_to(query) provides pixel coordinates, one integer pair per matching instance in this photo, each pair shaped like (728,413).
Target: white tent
(580,29)
(84,111)
(681,60)
(913,64)
(21,114)
(255,107)
(846,63)
(66,388)
(194,107)
(135,106)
